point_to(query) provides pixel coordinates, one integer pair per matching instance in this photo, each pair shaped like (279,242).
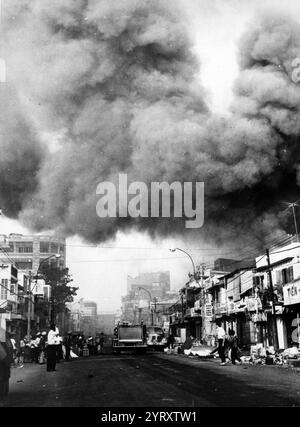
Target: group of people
(225,342)
(29,349)
(72,346)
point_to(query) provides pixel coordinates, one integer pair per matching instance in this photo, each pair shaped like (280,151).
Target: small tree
(61,292)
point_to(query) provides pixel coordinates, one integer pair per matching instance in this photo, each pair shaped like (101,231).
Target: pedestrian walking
(59,349)
(42,348)
(221,336)
(14,348)
(170,341)
(68,345)
(37,350)
(101,342)
(234,347)
(52,348)
(22,351)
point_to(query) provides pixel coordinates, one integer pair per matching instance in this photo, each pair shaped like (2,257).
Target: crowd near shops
(44,348)
(71,346)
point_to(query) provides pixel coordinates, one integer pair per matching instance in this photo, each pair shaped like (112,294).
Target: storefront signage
(208,310)
(291,293)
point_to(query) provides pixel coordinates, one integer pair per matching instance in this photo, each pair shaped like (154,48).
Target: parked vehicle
(129,338)
(156,339)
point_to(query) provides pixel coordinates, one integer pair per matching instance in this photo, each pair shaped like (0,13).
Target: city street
(153,380)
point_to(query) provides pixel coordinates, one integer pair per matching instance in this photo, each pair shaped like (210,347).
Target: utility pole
(29,307)
(293,205)
(295,220)
(275,331)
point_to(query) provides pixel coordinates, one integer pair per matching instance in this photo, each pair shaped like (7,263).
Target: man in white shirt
(221,334)
(52,348)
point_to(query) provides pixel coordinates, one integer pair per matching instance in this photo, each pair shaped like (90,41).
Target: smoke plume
(105,87)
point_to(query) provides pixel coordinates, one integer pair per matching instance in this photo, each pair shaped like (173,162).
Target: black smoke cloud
(116,80)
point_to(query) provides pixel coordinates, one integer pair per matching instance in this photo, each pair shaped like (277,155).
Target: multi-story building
(158,284)
(13,300)
(27,252)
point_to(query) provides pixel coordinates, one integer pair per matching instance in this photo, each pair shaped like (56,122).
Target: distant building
(158,284)
(144,292)
(88,308)
(106,323)
(27,252)
(83,317)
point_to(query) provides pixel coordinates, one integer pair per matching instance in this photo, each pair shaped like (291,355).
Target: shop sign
(259,317)
(208,310)
(291,293)
(253,304)
(217,308)
(223,307)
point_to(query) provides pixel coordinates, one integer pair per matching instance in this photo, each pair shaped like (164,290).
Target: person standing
(221,335)
(234,347)
(52,348)
(37,349)
(22,351)
(171,341)
(101,342)
(42,346)
(68,345)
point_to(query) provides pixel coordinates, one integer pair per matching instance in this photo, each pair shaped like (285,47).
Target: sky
(101,272)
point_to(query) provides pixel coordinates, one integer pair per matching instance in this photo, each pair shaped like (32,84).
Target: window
(11,247)
(44,247)
(4,287)
(54,248)
(12,289)
(24,247)
(286,275)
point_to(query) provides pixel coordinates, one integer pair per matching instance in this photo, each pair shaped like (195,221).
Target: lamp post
(30,292)
(181,250)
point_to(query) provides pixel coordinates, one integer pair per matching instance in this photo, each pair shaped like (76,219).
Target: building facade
(260,302)
(23,294)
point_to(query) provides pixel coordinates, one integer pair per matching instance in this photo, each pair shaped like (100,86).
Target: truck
(156,338)
(129,337)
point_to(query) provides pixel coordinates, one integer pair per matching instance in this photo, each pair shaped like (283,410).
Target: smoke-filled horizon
(98,88)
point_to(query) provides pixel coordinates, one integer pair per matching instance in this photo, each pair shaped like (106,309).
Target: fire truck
(129,337)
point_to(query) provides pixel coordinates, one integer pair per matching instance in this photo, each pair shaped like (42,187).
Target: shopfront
(291,295)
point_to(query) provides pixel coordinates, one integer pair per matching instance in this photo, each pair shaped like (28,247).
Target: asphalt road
(149,380)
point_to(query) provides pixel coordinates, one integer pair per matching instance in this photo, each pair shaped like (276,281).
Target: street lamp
(30,292)
(194,269)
